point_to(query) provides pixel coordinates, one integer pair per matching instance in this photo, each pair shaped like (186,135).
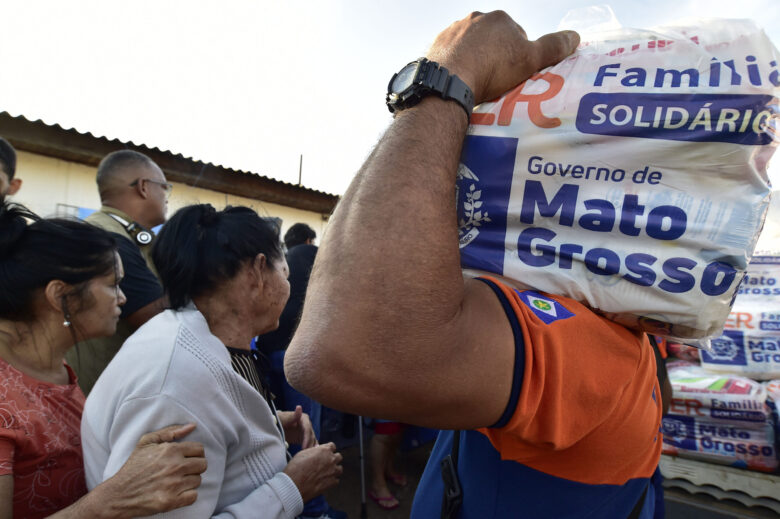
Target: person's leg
(380,450)
(395,476)
(379,491)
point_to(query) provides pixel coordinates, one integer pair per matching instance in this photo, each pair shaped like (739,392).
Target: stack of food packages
(588,181)
(724,406)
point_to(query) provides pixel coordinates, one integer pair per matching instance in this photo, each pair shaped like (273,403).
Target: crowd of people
(83,291)
(181,417)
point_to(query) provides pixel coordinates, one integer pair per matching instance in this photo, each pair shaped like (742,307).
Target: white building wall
(51,185)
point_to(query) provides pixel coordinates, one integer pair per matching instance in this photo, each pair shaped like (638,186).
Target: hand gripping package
(631,176)
(750,344)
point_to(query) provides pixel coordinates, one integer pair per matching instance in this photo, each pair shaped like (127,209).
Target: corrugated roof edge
(30,135)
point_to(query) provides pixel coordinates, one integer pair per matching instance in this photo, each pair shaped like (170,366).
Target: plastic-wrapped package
(719,418)
(773,389)
(716,397)
(750,446)
(684,352)
(750,344)
(761,286)
(631,176)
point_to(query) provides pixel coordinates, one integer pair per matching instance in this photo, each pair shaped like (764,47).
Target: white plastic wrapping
(738,445)
(699,393)
(750,344)
(719,418)
(631,176)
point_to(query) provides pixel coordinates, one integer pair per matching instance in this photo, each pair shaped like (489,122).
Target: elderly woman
(59,282)
(226,278)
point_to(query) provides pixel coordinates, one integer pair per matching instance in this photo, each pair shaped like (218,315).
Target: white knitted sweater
(173,370)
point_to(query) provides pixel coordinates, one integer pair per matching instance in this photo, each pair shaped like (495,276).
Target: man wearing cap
(134,195)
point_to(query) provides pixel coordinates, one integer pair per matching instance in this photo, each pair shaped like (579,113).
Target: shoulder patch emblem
(546,309)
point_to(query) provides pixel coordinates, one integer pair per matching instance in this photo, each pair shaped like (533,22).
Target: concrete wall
(50,185)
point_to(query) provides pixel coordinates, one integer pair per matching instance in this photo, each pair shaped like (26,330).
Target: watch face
(404,78)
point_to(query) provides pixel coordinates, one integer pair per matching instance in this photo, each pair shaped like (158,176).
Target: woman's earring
(66,322)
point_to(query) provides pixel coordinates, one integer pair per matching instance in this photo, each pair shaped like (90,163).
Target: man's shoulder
(302,251)
(557,313)
(147,361)
(102,218)
(304,247)
(148,350)
(180,341)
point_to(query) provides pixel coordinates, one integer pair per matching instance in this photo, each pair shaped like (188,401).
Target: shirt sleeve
(277,497)
(140,285)
(572,369)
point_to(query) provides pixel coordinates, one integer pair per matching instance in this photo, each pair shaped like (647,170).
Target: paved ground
(347,495)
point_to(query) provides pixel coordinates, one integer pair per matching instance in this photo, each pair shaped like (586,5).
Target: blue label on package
(679,431)
(729,349)
(482,194)
(733,414)
(739,119)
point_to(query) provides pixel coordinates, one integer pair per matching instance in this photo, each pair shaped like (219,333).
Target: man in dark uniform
(134,195)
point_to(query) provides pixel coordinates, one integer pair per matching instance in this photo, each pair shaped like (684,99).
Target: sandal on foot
(386,503)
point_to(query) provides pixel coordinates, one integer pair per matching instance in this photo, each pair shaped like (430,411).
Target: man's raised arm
(389,327)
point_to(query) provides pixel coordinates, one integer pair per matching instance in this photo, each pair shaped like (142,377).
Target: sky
(253,85)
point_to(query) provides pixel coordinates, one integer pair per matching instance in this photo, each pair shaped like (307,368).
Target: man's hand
(315,470)
(492,54)
(297,428)
(160,475)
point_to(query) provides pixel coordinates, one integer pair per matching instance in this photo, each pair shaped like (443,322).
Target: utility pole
(300,169)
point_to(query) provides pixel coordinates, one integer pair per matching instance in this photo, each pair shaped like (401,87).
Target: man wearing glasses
(134,196)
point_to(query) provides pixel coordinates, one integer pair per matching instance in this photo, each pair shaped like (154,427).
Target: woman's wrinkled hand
(315,470)
(298,429)
(161,474)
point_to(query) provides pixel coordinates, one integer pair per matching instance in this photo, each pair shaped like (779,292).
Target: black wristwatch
(423,78)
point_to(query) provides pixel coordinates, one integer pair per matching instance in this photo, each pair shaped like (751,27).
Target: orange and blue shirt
(580,434)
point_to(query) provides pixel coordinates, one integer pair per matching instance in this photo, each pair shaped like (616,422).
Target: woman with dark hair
(59,283)
(226,278)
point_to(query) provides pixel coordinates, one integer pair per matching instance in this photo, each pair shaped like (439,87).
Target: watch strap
(450,86)
(459,91)
(433,79)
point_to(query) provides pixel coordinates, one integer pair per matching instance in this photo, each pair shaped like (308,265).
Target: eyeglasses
(167,186)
